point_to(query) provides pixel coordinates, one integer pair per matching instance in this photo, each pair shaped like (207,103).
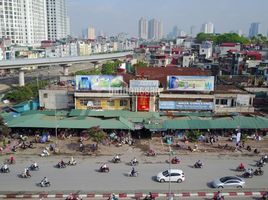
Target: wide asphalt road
(84,176)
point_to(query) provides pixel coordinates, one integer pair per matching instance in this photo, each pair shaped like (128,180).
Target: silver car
(228,181)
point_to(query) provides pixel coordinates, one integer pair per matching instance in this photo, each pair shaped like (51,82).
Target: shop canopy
(218,123)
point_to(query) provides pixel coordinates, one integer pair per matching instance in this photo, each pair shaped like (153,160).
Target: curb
(134,195)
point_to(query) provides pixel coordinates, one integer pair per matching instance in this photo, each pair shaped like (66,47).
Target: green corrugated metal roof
(44,121)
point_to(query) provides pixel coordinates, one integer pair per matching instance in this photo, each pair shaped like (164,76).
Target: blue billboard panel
(181,105)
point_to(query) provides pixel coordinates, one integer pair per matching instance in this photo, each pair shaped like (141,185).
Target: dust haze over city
(144,100)
(122,16)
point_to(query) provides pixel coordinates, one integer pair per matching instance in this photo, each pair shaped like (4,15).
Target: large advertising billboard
(143,85)
(98,82)
(184,105)
(190,83)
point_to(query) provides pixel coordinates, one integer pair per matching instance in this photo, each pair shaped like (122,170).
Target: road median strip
(133,195)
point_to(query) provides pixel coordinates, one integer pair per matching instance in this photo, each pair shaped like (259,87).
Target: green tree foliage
(259,40)
(110,68)
(4,130)
(193,135)
(96,134)
(141,64)
(221,38)
(25,93)
(89,72)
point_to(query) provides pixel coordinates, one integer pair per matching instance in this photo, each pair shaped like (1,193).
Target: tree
(4,130)
(96,134)
(141,64)
(221,38)
(109,68)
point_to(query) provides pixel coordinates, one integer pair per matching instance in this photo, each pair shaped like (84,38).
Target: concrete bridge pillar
(96,64)
(65,68)
(21,78)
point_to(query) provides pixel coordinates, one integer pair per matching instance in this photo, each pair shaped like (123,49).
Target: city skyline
(122,16)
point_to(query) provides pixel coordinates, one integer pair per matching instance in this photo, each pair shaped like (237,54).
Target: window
(110,103)
(45,95)
(223,101)
(217,101)
(123,103)
(97,103)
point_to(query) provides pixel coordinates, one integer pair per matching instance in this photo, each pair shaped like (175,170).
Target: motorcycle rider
(176,159)
(5,167)
(12,160)
(133,171)
(104,166)
(199,163)
(34,165)
(27,173)
(258,171)
(116,158)
(250,171)
(62,163)
(241,166)
(134,161)
(218,196)
(72,161)
(44,181)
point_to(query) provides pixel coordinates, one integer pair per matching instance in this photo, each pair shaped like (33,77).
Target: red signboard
(143,103)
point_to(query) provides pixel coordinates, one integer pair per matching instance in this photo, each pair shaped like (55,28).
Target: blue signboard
(184,105)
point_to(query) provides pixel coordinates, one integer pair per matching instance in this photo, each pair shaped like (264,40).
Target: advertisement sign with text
(190,83)
(143,103)
(143,85)
(98,82)
(181,105)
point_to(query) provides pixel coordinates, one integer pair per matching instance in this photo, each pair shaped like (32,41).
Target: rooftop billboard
(191,83)
(98,82)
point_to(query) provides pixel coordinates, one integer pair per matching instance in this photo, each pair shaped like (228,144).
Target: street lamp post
(170,196)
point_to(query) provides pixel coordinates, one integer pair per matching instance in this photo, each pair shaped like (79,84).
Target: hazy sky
(115,16)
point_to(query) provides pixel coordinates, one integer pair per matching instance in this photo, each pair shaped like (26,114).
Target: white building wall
(23,21)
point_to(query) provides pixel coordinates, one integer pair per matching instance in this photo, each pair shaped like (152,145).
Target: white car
(174,175)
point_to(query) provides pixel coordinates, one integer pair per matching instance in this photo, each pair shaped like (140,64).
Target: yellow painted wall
(104,104)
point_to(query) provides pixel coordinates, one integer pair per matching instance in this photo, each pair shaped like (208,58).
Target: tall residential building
(254,29)
(155,31)
(143,29)
(57,20)
(207,28)
(23,22)
(90,33)
(192,30)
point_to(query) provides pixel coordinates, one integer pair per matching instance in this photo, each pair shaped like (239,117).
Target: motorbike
(71,163)
(10,161)
(116,160)
(61,165)
(247,175)
(175,161)
(44,153)
(106,169)
(218,198)
(258,172)
(260,164)
(197,165)
(44,184)
(135,174)
(34,168)
(151,153)
(240,169)
(265,196)
(134,163)
(25,175)
(73,197)
(5,170)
